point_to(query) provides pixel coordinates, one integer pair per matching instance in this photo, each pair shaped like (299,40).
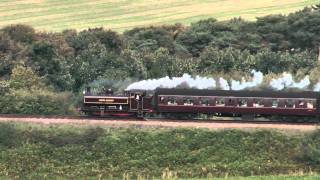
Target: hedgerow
(73,152)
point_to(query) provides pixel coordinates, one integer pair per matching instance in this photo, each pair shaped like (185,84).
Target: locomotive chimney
(88,90)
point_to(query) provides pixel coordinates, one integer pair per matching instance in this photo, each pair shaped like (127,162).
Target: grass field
(56,15)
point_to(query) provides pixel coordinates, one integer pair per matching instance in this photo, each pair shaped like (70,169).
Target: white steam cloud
(223,84)
(317,87)
(197,82)
(256,81)
(285,81)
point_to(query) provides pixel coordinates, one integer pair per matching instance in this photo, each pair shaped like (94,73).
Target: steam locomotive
(141,103)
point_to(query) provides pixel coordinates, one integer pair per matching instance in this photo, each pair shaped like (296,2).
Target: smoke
(223,84)
(317,87)
(284,82)
(197,82)
(256,81)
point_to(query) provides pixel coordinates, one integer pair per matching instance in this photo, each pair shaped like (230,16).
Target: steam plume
(285,81)
(197,82)
(256,81)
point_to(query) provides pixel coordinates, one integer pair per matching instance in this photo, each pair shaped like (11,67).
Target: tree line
(48,64)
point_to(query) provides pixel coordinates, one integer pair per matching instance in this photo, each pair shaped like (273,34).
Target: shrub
(75,152)
(36,102)
(7,135)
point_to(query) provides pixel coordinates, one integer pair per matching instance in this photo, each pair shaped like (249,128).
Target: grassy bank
(38,151)
(58,15)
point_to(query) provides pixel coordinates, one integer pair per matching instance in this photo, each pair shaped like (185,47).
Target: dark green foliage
(151,38)
(71,60)
(20,33)
(25,93)
(110,39)
(10,51)
(304,28)
(8,135)
(35,102)
(310,151)
(81,152)
(50,59)
(198,36)
(92,63)
(273,30)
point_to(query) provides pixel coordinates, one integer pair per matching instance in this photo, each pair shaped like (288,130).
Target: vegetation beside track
(38,151)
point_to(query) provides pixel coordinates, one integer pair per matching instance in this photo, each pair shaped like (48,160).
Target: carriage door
(135,101)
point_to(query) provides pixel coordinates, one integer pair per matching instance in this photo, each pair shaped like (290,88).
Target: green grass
(280,177)
(36,151)
(57,15)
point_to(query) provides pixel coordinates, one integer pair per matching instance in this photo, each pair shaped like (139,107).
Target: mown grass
(51,151)
(57,15)
(280,177)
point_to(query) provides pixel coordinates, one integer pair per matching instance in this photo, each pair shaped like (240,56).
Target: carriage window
(301,103)
(310,104)
(188,102)
(204,101)
(172,101)
(289,103)
(258,103)
(220,102)
(162,99)
(274,103)
(242,103)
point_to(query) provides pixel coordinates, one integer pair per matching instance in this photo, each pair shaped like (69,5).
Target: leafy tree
(54,69)
(149,38)
(20,33)
(24,78)
(273,30)
(133,64)
(198,36)
(162,64)
(268,62)
(304,28)
(110,39)
(11,53)
(215,60)
(81,41)
(181,66)
(92,63)
(4,87)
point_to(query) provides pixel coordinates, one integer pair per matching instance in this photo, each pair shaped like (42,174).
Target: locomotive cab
(140,102)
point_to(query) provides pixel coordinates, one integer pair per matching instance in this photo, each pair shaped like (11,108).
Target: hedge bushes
(35,102)
(39,152)
(25,93)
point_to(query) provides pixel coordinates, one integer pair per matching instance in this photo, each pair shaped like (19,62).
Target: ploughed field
(57,15)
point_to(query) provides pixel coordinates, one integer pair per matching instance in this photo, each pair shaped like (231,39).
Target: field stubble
(57,15)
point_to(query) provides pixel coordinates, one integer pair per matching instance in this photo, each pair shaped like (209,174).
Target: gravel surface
(159,123)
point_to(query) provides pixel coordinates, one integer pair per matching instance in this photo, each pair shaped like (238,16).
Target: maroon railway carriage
(237,102)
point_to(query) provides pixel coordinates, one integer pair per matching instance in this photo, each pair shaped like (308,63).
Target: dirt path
(158,123)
